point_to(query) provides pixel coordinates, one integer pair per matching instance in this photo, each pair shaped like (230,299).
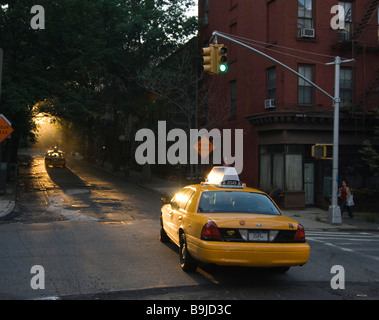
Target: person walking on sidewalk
(344,195)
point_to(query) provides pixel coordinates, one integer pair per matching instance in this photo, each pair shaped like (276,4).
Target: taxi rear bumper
(249,254)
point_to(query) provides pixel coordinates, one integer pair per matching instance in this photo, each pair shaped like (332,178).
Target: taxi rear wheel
(281,269)
(187,263)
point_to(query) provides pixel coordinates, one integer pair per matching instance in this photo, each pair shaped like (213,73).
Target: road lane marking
(326,237)
(207,275)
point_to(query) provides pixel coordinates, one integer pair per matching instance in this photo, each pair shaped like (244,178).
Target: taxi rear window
(236,202)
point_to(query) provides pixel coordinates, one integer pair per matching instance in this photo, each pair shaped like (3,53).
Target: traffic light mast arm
(334,215)
(216,33)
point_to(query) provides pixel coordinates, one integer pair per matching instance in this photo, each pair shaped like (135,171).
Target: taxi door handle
(180,218)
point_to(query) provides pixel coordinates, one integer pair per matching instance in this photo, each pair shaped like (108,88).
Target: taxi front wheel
(187,263)
(163,235)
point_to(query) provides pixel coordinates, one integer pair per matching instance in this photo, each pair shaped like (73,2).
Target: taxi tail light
(300,233)
(211,232)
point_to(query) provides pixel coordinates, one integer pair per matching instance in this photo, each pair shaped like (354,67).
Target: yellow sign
(204,147)
(5,128)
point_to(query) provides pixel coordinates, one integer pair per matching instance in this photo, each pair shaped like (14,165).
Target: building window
(271,83)
(206,12)
(346,86)
(271,167)
(347,33)
(293,171)
(265,174)
(305,14)
(305,89)
(281,166)
(233,99)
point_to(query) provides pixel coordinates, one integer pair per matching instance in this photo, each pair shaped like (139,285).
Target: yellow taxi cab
(223,222)
(55,158)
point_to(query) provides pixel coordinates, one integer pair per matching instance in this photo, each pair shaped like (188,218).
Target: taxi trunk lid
(252,221)
(254,228)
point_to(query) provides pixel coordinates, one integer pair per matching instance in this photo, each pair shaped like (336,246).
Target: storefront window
(281,166)
(294,172)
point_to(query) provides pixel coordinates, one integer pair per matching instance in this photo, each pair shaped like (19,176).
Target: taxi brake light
(211,232)
(300,233)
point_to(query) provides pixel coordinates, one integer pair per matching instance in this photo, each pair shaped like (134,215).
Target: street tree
(85,60)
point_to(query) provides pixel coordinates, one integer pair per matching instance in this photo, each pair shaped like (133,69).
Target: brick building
(281,115)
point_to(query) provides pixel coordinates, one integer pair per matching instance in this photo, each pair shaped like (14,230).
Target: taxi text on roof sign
(224,177)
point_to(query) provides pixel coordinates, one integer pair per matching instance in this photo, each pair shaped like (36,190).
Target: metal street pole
(334,213)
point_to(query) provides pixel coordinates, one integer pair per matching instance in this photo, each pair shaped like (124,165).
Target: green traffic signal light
(223,68)
(222,59)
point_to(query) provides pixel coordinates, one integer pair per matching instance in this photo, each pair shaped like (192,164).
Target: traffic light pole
(334,213)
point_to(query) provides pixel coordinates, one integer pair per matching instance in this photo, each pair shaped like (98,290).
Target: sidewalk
(8,199)
(310,218)
(317,219)
(7,204)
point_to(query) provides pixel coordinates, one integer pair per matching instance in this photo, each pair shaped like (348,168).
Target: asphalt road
(96,237)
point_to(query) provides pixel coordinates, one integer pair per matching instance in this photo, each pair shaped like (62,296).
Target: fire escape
(362,26)
(368,100)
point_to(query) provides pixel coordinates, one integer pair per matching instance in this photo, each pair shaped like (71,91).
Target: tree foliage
(370,156)
(88,55)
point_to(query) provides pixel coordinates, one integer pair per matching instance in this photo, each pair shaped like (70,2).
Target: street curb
(7,206)
(326,228)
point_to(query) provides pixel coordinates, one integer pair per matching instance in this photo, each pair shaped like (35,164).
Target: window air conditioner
(307,33)
(270,103)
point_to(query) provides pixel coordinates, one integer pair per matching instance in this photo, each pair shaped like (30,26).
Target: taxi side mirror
(165,200)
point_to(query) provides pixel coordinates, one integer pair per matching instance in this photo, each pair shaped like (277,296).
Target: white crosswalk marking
(362,243)
(352,236)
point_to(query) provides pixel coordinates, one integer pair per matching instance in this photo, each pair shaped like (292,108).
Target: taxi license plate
(258,235)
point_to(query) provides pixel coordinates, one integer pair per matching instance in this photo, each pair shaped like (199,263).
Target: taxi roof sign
(224,177)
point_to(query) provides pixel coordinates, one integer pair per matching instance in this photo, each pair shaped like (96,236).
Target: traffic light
(215,59)
(319,151)
(222,59)
(209,59)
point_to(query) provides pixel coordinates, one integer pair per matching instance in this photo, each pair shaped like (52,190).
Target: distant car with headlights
(223,222)
(55,158)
